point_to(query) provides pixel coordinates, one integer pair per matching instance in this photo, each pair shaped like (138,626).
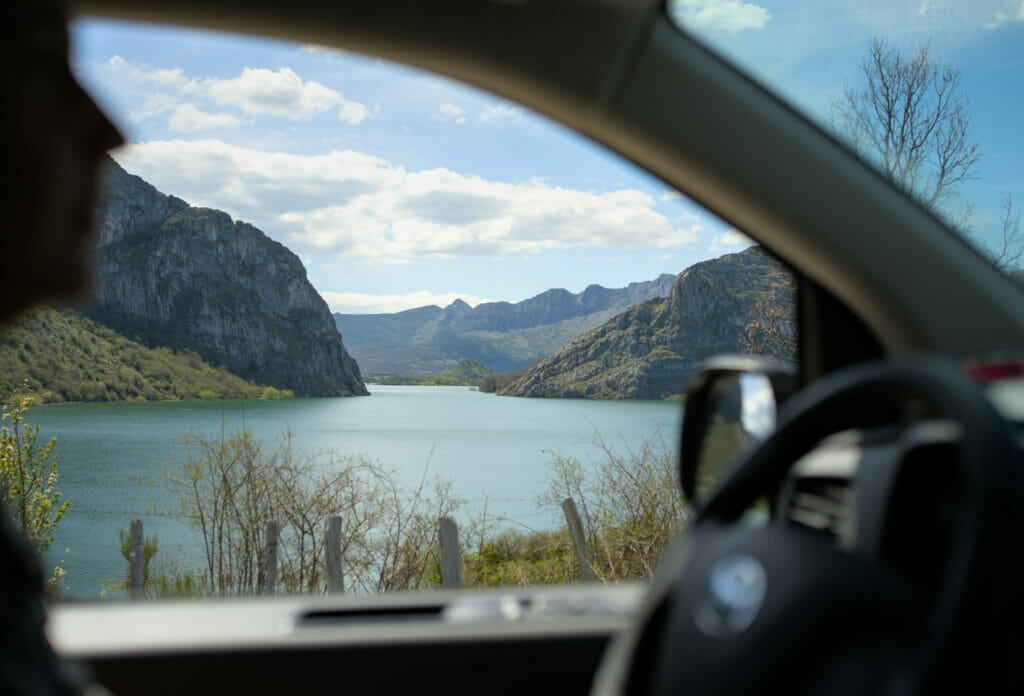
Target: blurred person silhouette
(54,137)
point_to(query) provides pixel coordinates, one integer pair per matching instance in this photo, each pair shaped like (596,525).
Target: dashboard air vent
(822,504)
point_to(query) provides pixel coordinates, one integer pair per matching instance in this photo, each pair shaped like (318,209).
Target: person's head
(54,137)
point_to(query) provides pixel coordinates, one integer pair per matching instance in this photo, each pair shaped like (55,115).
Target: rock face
(503,336)
(173,275)
(651,350)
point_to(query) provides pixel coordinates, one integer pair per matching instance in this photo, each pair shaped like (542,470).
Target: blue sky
(399,189)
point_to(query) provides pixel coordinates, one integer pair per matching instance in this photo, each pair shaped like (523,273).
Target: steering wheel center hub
(737,585)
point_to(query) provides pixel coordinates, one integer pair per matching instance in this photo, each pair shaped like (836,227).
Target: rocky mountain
(650,350)
(169,274)
(503,336)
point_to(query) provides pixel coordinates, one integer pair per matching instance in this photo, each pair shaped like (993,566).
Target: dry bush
(229,487)
(629,501)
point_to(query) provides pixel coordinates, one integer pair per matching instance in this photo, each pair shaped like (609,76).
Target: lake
(494,450)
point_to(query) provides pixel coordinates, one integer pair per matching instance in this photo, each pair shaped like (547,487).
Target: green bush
(271,393)
(28,478)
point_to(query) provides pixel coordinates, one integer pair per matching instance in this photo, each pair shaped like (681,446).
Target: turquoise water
(492,449)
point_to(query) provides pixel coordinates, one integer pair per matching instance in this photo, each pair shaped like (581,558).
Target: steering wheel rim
(669,649)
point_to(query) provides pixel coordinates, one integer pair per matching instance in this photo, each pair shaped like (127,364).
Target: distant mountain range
(651,350)
(502,336)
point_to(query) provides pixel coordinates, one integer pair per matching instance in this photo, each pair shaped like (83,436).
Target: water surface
(493,449)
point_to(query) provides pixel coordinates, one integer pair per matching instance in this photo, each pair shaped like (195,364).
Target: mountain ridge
(169,274)
(503,336)
(650,350)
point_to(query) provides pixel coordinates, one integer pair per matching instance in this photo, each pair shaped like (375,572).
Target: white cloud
(729,238)
(353,113)
(1009,12)
(322,51)
(186,118)
(452,112)
(361,303)
(155,105)
(497,112)
(722,16)
(281,93)
(355,206)
(278,93)
(669,196)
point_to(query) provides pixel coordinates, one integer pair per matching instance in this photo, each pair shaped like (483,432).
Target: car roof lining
(619,72)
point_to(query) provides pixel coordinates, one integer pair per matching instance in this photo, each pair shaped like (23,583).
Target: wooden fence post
(136,561)
(451,557)
(579,541)
(270,556)
(335,572)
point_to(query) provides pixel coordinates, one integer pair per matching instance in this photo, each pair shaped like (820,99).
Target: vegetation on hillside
(54,355)
(517,348)
(496,382)
(770,327)
(465,373)
(737,302)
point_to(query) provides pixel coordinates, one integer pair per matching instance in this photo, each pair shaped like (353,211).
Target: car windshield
(313,273)
(925,91)
(357,328)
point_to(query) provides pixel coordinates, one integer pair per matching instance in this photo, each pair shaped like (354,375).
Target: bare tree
(912,120)
(1010,248)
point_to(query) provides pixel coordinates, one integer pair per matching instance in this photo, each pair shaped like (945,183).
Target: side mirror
(731,406)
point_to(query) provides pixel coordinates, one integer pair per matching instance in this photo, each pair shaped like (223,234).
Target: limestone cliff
(184,277)
(650,350)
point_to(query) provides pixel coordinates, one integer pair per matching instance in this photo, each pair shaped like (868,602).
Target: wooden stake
(451,557)
(136,561)
(270,554)
(579,541)
(335,574)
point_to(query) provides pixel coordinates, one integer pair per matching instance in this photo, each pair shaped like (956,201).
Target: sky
(398,188)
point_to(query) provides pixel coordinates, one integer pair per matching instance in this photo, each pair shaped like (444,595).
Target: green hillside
(737,303)
(518,347)
(465,373)
(56,355)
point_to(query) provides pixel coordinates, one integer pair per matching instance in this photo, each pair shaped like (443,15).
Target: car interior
(892,483)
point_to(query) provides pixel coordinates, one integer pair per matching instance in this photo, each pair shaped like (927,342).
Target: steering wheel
(740,609)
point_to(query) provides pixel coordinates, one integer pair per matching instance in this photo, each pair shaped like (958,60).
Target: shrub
(28,478)
(629,501)
(230,486)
